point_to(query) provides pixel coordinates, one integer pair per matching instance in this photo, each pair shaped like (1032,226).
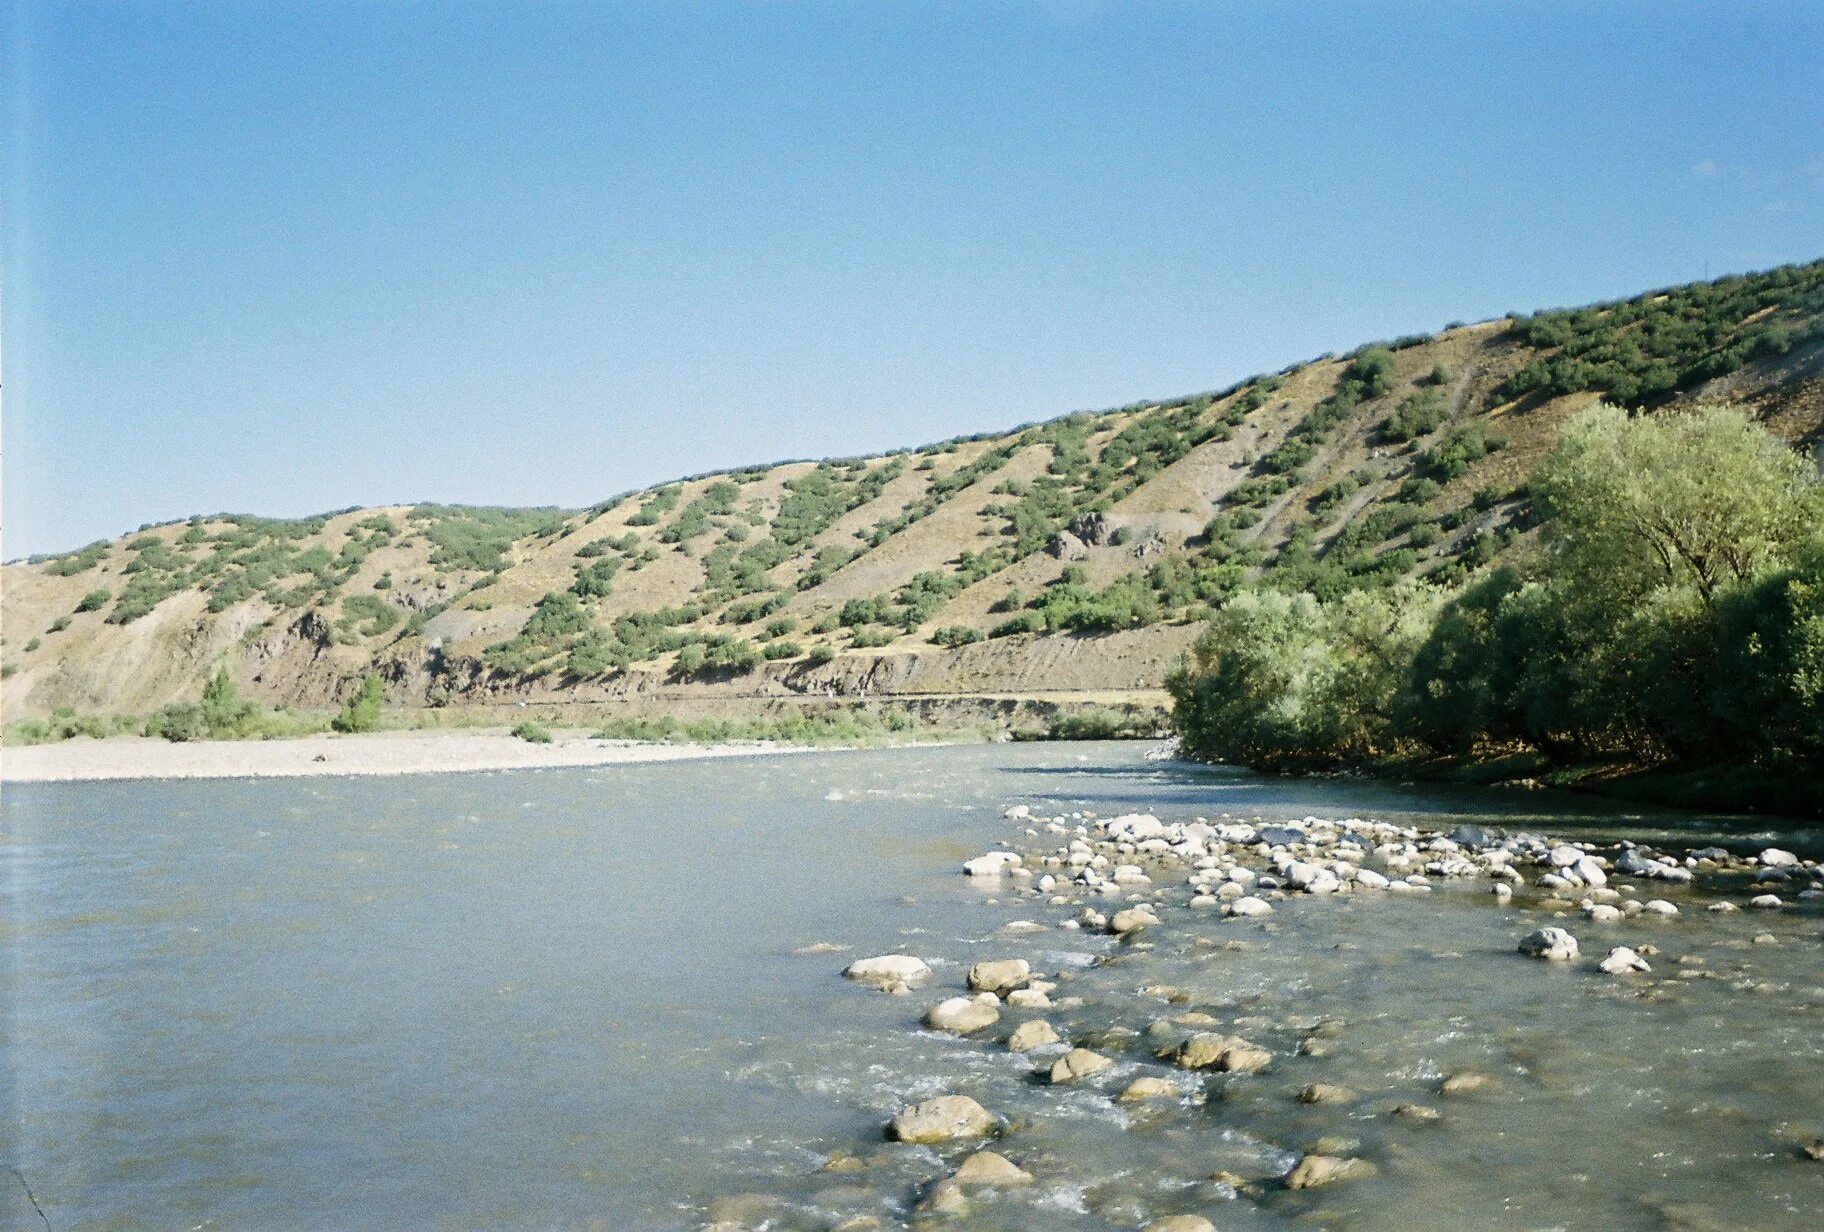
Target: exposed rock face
(947,1118)
(1066,546)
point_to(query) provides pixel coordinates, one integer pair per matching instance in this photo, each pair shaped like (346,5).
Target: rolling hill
(1058,564)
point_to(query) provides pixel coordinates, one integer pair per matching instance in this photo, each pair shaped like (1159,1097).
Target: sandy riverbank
(407,752)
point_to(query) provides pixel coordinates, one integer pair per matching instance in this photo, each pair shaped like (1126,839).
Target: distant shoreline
(381,753)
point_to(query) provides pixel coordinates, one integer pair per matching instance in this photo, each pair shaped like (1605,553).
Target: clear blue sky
(285,257)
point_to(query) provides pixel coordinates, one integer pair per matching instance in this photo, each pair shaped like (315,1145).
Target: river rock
(962,1015)
(1468,1083)
(1078,1063)
(1030,1035)
(992,865)
(991,1168)
(1133,919)
(1315,1170)
(1621,960)
(1766,902)
(1029,999)
(1247,905)
(1325,1093)
(1773,857)
(1565,856)
(1659,906)
(1417,1112)
(946,1118)
(889,972)
(1550,944)
(1602,913)
(1225,1053)
(1142,1089)
(946,1198)
(1180,1223)
(1003,975)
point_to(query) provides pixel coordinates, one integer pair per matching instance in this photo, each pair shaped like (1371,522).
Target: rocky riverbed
(1224,1022)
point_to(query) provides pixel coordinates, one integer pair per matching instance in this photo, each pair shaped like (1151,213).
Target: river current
(571,999)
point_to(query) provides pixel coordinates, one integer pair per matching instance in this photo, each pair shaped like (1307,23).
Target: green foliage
(361,713)
(533,732)
(1419,415)
(955,635)
(59,625)
(80,561)
(782,649)
(367,616)
(476,537)
(1461,449)
(1676,616)
(94,601)
(1639,350)
(596,580)
(654,507)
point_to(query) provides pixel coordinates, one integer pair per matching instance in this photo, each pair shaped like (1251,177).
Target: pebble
(1180,1223)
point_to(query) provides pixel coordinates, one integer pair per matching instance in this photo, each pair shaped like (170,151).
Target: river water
(569,999)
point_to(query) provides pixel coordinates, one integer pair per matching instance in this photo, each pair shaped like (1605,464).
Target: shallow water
(568,999)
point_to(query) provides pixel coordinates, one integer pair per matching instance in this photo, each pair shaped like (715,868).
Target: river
(570,999)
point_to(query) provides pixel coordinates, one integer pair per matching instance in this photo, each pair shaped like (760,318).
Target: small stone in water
(991,1168)
(962,1015)
(889,972)
(1551,944)
(1030,1035)
(946,1118)
(1622,960)
(1180,1223)
(1315,1170)
(1002,976)
(1325,1093)
(1078,1063)
(1142,1089)
(1417,1112)
(1468,1084)
(946,1198)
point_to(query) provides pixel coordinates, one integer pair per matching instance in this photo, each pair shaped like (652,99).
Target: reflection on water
(568,999)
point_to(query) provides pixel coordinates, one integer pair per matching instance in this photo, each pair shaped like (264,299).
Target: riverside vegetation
(1670,614)
(1069,562)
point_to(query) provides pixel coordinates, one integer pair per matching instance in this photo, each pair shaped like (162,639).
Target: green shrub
(94,601)
(533,732)
(361,713)
(955,635)
(781,650)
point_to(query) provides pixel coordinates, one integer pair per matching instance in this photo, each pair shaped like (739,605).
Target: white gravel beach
(406,752)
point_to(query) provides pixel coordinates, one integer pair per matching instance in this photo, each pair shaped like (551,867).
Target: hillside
(1067,561)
